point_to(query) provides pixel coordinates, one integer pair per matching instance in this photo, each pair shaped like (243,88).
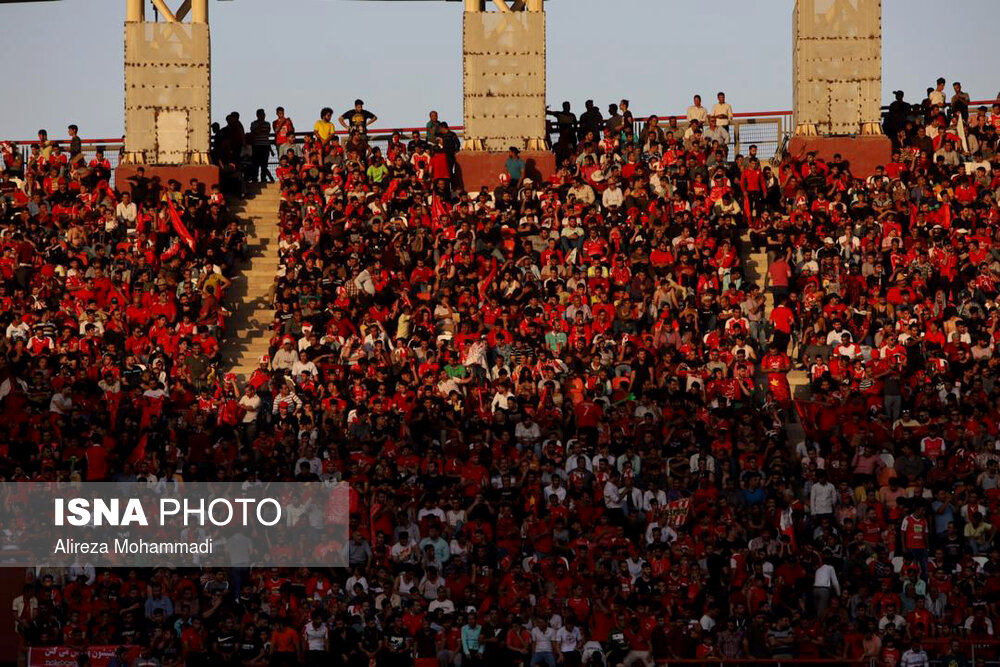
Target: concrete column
(536,5)
(135,11)
(837,67)
(199,11)
(504,79)
(167,93)
(475,5)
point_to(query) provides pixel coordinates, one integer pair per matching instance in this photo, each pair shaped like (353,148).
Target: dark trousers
(261,154)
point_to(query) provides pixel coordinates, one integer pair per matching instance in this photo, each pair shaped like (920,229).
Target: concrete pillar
(837,67)
(199,11)
(475,5)
(135,11)
(504,78)
(167,93)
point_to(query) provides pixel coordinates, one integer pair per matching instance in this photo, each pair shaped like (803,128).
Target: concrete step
(250,324)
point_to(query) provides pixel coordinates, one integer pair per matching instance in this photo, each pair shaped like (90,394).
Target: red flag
(484,286)
(438,210)
(139,453)
(182,231)
(174,248)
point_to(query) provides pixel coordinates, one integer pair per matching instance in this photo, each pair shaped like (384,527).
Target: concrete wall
(837,66)
(167,92)
(504,80)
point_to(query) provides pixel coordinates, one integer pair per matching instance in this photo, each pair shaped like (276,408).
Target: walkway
(248,331)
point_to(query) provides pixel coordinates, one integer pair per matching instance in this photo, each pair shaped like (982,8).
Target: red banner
(65,656)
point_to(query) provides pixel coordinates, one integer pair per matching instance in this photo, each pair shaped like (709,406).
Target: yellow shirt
(324,129)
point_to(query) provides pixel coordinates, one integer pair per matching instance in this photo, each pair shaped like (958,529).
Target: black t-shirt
(226,642)
(249,649)
(395,640)
(426,643)
(358,120)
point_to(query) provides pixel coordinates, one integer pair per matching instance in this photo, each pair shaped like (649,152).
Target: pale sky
(62,61)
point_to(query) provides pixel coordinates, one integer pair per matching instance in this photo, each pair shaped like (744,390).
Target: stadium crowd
(563,406)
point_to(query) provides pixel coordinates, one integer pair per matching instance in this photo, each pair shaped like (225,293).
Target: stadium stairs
(755,271)
(248,330)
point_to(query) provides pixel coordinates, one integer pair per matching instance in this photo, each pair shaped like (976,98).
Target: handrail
(380,132)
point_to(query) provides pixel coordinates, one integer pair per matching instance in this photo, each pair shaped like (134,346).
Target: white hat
(597,176)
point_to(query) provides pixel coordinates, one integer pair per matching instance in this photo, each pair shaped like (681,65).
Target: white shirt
(723,113)
(826,577)
(126,213)
(559,493)
(822,498)
(719,134)
(299,366)
(543,639)
(667,534)
(60,403)
(315,637)
(252,405)
(613,197)
(659,496)
(697,113)
(447,606)
(612,498)
(569,639)
(527,433)
(696,459)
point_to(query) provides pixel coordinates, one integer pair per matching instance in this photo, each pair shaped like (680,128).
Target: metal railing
(768,130)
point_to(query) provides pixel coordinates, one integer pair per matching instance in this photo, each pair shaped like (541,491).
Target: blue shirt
(470,639)
(515,167)
(441,548)
(942,520)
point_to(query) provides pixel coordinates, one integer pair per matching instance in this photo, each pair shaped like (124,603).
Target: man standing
(591,121)
(822,497)
(432,127)
(914,529)
(324,129)
(358,118)
(960,102)
(316,638)
(936,96)
(824,580)
(697,112)
(514,166)
(284,131)
(722,112)
(260,142)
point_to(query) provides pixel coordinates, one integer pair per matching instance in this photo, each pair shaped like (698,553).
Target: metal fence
(769,130)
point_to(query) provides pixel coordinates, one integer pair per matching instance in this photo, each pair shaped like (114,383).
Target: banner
(65,656)
(677,512)
(179,227)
